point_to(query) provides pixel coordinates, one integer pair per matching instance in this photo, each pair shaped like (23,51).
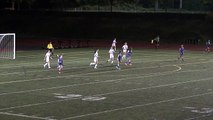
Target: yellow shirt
(50,46)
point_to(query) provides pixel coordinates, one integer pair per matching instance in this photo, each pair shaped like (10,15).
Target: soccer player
(60,63)
(114,44)
(111,55)
(95,59)
(124,47)
(129,57)
(50,47)
(208,44)
(181,51)
(47,58)
(157,39)
(119,58)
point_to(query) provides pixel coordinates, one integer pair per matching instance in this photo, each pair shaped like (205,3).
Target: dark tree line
(64,4)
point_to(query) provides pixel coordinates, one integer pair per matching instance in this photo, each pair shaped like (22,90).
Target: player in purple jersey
(60,63)
(181,51)
(119,59)
(128,57)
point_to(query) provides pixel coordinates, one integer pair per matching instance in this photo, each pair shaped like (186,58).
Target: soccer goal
(7,46)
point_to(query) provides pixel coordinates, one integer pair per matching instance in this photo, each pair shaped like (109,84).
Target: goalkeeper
(50,47)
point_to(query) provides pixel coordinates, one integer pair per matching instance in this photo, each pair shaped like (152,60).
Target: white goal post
(7,46)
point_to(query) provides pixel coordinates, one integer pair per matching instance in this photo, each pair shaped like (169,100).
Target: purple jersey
(129,54)
(60,60)
(119,57)
(181,50)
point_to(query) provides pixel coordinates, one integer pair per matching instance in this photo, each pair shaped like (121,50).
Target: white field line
(80,74)
(179,68)
(90,83)
(196,118)
(92,73)
(43,70)
(3,74)
(110,93)
(137,106)
(24,116)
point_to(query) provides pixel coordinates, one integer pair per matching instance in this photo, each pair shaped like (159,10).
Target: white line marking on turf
(110,93)
(24,116)
(136,106)
(92,73)
(196,118)
(179,68)
(80,74)
(98,82)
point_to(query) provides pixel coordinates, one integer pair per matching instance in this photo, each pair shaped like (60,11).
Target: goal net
(7,46)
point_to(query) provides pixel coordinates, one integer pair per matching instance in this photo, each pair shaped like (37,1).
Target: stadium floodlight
(7,46)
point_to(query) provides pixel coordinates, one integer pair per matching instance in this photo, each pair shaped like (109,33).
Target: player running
(124,47)
(95,59)
(181,51)
(60,63)
(129,57)
(208,44)
(111,55)
(119,58)
(114,44)
(47,58)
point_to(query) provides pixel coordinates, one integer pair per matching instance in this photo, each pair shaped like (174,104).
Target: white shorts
(124,51)
(95,59)
(111,56)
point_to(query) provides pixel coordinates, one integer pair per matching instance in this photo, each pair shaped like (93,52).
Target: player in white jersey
(47,58)
(125,48)
(111,55)
(114,44)
(95,59)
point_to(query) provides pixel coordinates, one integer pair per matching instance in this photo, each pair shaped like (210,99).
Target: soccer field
(156,87)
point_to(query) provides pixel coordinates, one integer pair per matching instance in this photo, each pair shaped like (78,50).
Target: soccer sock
(45,65)
(96,65)
(48,65)
(112,62)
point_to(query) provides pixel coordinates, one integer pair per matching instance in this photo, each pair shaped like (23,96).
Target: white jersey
(96,57)
(125,47)
(114,43)
(111,53)
(47,56)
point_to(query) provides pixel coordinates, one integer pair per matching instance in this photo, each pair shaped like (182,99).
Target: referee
(50,47)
